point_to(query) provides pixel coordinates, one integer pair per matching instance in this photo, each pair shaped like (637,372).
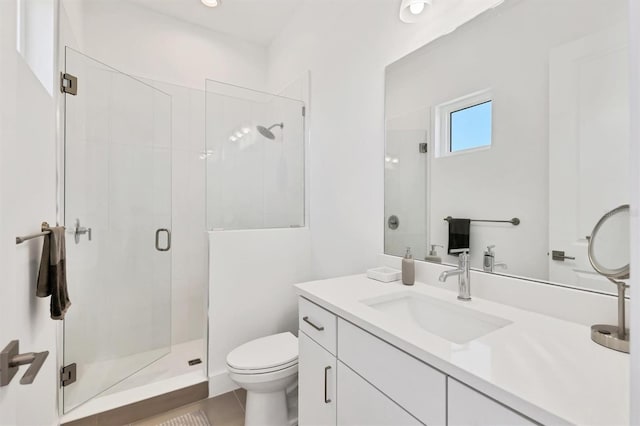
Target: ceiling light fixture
(211,3)
(416,8)
(412,11)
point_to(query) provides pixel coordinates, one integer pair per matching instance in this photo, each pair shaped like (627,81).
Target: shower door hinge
(68,375)
(423,147)
(304,111)
(69,84)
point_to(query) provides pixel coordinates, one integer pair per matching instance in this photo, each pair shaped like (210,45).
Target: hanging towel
(52,277)
(458,235)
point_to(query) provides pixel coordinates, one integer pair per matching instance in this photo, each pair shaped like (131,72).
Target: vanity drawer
(412,384)
(317,323)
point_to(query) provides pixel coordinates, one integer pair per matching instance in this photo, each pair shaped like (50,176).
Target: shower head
(266,131)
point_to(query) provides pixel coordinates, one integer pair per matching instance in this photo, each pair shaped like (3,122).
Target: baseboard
(220,382)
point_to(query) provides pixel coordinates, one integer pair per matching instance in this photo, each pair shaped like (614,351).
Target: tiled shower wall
(189,238)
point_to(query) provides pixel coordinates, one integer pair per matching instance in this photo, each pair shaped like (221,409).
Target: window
(464,124)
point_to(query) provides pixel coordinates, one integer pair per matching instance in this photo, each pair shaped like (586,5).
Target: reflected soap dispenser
(489,259)
(408,268)
(433,254)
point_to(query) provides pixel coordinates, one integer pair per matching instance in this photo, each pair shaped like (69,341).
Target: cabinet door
(316,384)
(412,384)
(359,403)
(467,407)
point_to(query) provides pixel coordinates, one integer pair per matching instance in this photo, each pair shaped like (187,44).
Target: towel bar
(44,231)
(515,221)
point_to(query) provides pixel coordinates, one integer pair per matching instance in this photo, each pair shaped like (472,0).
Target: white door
(316,384)
(588,147)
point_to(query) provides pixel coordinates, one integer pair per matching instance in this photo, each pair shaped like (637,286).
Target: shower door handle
(168,247)
(78,230)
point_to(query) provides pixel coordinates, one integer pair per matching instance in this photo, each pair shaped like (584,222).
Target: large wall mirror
(521,113)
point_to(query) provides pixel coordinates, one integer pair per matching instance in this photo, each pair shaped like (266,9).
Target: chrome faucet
(464,276)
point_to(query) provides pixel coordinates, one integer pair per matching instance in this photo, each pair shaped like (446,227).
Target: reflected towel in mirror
(458,235)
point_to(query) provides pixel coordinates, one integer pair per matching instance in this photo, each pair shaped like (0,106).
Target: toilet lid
(265,352)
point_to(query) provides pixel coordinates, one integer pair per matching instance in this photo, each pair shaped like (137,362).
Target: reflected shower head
(266,131)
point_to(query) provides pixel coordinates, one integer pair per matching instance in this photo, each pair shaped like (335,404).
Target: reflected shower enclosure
(255,159)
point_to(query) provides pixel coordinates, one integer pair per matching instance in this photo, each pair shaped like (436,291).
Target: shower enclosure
(255,159)
(149,167)
(117,212)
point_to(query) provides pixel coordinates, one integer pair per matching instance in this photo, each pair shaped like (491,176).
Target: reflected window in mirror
(470,127)
(464,124)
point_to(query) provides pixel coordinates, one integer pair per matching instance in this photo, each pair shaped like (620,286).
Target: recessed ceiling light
(211,3)
(411,10)
(416,8)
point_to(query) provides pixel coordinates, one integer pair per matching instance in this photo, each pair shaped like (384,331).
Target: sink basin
(450,321)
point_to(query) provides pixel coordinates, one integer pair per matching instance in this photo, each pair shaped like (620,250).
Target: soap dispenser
(433,254)
(489,259)
(408,268)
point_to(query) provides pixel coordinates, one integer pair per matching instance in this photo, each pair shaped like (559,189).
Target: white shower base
(167,374)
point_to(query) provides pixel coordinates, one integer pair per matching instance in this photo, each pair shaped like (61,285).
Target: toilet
(267,368)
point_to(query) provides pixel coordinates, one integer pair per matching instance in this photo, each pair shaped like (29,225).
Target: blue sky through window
(471,127)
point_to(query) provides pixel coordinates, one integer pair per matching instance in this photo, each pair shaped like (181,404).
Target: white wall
(27,197)
(346,46)
(151,45)
(189,244)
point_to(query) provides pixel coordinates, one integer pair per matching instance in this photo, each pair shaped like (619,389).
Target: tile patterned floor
(223,410)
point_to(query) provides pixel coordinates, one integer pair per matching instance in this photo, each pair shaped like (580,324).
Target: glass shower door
(117,211)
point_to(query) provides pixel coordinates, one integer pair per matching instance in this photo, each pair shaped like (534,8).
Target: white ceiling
(258,21)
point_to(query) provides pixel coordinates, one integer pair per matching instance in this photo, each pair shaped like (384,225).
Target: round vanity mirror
(609,244)
(609,254)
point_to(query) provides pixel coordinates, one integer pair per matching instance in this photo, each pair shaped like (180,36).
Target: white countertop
(547,369)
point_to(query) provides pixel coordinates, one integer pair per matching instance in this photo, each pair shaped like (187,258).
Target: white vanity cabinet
(349,377)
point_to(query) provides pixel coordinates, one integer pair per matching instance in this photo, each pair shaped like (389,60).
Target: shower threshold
(165,375)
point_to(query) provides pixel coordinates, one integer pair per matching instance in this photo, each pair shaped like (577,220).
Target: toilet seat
(265,355)
(263,370)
